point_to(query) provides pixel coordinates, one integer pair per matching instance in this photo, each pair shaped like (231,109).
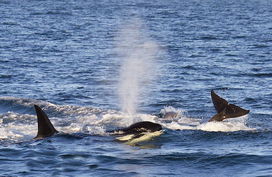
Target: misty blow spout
(138,54)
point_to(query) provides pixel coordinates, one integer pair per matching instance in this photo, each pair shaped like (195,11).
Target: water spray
(137,53)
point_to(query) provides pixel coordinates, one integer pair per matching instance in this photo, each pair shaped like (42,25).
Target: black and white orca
(138,132)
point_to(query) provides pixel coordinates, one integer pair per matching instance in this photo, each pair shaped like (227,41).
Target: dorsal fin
(219,103)
(45,127)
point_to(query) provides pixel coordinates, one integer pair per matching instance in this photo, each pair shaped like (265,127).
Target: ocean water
(95,66)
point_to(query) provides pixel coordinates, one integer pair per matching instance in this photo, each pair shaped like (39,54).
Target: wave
(229,125)
(18,119)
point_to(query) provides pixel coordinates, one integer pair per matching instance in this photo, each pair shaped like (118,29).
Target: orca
(141,127)
(224,109)
(137,130)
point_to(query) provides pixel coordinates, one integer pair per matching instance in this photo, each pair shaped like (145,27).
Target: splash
(182,122)
(138,68)
(177,113)
(229,125)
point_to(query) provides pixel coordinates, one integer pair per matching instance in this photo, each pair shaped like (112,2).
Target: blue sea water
(87,63)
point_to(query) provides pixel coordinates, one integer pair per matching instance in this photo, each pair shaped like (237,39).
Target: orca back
(144,126)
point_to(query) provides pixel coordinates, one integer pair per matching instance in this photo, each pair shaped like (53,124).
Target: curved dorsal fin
(45,127)
(219,103)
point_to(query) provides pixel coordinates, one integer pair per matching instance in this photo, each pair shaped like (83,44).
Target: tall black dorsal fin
(45,127)
(219,103)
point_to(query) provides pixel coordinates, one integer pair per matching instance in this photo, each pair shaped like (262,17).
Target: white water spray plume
(138,66)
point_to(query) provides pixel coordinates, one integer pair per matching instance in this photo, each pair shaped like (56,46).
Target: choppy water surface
(98,66)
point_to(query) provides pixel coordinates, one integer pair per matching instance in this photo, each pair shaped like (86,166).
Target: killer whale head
(224,109)
(139,132)
(45,127)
